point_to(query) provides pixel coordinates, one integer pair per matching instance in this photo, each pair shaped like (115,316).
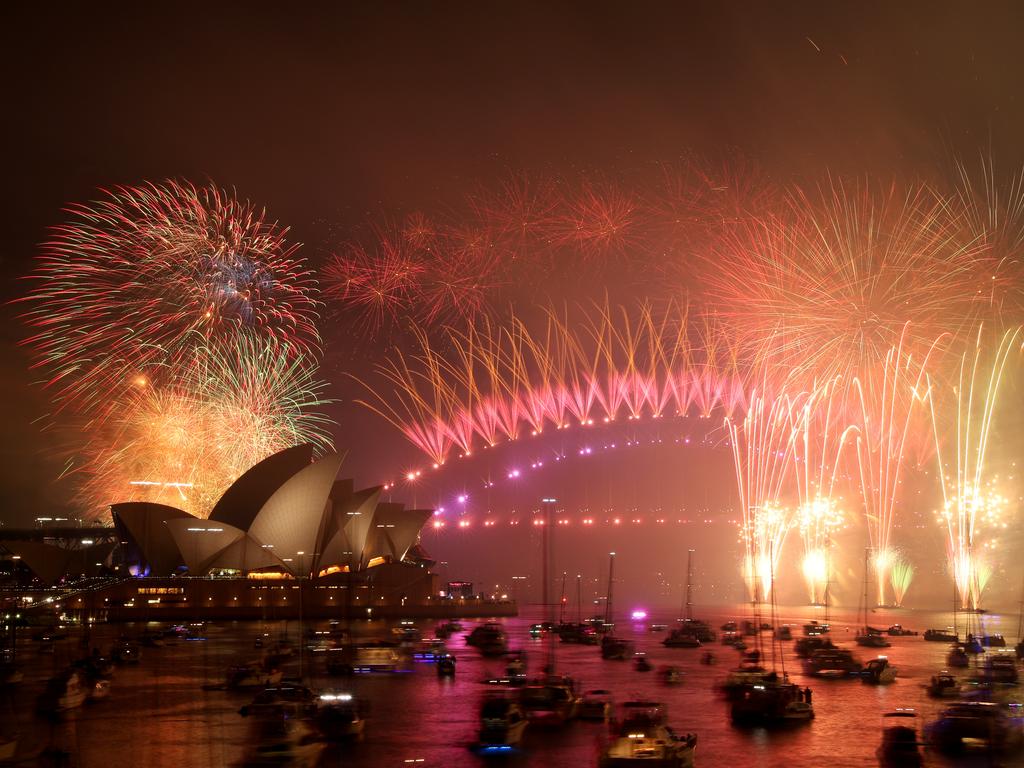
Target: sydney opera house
(287,536)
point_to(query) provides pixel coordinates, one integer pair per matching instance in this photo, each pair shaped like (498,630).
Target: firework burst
(763,449)
(972,505)
(185,443)
(126,286)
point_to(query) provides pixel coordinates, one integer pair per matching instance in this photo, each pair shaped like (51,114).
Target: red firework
(128,284)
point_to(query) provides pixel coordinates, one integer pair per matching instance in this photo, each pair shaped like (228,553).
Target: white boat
(878,672)
(64,692)
(339,717)
(502,723)
(643,738)
(100,690)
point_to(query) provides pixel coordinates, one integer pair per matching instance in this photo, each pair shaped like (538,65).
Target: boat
(126,652)
(1000,668)
(579,633)
(407,633)
(943,686)
(772,702)
(972,645)
(682,637)
(429,650)
(748,673)
(549,701)
(670,675)
(612,647)
(815,628)
(615,648)
(899,747)
(64,692)
(897,630)
(339,717)
(640,662)
(729,626)
(973,726)
(488,638)
(152,639)
(97,690)
(446,666)
(284,699)
(540,629)
(784,633)
(941,635)
(595,705)
(867,636)
(878,672)
(831,663)
(378,657)
(871,640)
(642,737)
(993,641)
(957,657)
(655,628)
(502,723)
(275,741)
(446,630)
(251,675)
(515,668)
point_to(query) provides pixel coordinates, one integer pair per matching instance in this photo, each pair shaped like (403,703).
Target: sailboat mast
(688,606)
(828,572)
(579,598)
(561,602)
(1020,614)
(608,596)
(864,599)
(549,617)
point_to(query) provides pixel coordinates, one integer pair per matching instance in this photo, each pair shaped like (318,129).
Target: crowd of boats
(292,723)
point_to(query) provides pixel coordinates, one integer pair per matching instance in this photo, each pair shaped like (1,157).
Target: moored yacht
(502,723)
(339,716)
(65,692)
(642,737)
(899,747)
(878,672)
(832,663)
(549,701)
(772,702)
(943,686)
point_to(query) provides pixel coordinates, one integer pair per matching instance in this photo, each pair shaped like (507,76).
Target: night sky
(331,115)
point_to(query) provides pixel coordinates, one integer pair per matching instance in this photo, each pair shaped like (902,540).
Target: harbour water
(166,710)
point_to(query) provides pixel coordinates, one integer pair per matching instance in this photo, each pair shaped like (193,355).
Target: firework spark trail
(827,286)
(498,383)
(763,448)
(819,448)
(902,574)
(970,501)
(185,443)
(130,281)
(886,409)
